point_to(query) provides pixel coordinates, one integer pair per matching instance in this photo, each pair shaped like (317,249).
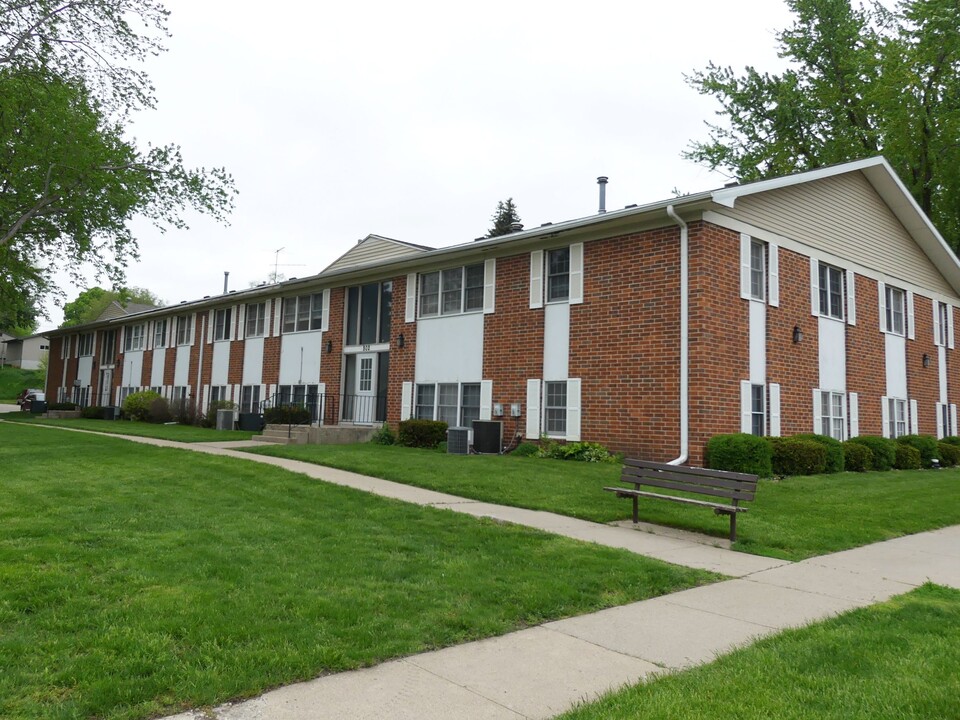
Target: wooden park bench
(719,484)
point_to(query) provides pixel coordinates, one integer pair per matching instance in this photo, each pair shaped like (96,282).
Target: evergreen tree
(503,218)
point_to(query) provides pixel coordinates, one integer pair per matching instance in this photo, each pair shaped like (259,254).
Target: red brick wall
(146,369)
(402,359)
(332,362)
(54,368)
(866,358)
(923,384)
(169,365)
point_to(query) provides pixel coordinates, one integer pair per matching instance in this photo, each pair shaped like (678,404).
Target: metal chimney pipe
(226,275)
(602,182)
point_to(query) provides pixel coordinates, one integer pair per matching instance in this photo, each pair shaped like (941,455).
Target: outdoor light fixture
(400,340)
(797,334)
(926,360)
(329,346)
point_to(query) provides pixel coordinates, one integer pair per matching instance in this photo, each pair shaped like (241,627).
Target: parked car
(29,396)
(26,392)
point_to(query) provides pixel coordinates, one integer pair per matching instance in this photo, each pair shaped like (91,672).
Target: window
(425,401)
(303,313)
(368,313)
(758,410)
(133,337)
(832,416)
(125,391)
(158,390)
(85,346)
(160,333)
(558,274)
(942,326)
(221,323)
(453,403)
(185,330)
(556,408)
(895,310)
(179,392)
(108,347)
(250,398)
(218,393)
(447,403)
(256,320)
(897,417)
(945,426)
(44,347)
(831,291)
(758,265)
(469,404)
(452,291)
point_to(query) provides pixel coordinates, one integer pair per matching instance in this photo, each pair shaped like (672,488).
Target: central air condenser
(488,436)
(458,441)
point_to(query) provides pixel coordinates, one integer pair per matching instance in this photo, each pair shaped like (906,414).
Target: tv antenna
(277,264)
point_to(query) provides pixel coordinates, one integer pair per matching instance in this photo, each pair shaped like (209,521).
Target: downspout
(684,339)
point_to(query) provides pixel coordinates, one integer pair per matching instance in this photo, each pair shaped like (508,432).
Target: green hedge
(62,406)
(739,452)
(93,412)
(422,433)
(949,454)
(136,406)
(907,457)
(833,447)
(884,450)
(797,456)
(857,457)
(286,415)
(926,445)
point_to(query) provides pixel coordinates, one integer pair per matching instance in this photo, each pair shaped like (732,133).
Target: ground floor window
(555,407)
(833,417)
(305,396)
(250,399)
(125,391)
(896,417)
(158,390)
(758,410)
(219,393)
(457,404)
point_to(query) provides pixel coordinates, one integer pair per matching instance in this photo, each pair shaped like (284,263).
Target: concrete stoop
(284,435)
(322,435)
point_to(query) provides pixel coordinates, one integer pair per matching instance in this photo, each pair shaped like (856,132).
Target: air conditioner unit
(488,436)
(458,441)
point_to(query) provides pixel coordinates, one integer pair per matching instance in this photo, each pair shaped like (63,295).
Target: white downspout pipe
(684,339)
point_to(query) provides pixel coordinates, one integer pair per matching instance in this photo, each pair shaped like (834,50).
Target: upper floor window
(304,312)
(831,291)
(256,319)
(160,333)
(85,345)
(221,323)
(451,291)
(758,271)
(184,329)
(368,313)
(895,302)
(558,274)
(108,347)
(942,326)
(133,337)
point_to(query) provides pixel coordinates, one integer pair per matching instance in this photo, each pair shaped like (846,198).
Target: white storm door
(366,390)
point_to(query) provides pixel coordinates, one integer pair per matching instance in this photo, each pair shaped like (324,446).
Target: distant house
(25,353)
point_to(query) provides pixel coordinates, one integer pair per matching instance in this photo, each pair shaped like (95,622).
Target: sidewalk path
(543,671)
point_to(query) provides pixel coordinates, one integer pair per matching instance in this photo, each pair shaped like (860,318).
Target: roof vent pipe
(516,226)
(226,276)
(602,182)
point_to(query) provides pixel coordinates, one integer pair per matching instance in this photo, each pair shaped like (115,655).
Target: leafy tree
(862,80)
(91,303)
(503,218)
(70,178)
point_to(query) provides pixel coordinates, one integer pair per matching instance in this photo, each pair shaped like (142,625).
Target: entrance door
(366,390)
(106,386)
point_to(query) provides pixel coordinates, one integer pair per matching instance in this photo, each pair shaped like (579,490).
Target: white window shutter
(851,297)
(486,399)
(817,412)
(814,287)
(325,311)
(953,420)
(882,300)
(745,292)
(885,416)
(576,274)
(489,285)
(914,418)
(940,428)
(911,324)
(773,275)
(205,400)
(536,279)
(854,414)
(410,311)
(210,326)
(533,409)
(746,407)
(774,409)
(950,326)
(573,409)
(240,322)
(406,401)
(322,400)
(148,340)
(936,322)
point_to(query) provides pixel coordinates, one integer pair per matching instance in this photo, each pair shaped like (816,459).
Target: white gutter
(684,339)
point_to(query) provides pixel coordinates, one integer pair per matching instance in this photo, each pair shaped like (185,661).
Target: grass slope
(14,380)
(179,433)
(897,660)
(795,518)
(137,581)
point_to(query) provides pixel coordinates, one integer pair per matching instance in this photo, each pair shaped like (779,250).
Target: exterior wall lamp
(400,341)
(329,346)
(926,360)
(797,335)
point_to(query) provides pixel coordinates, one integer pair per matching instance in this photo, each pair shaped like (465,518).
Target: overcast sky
(412,120)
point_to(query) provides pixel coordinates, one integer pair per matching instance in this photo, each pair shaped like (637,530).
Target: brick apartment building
(819,302)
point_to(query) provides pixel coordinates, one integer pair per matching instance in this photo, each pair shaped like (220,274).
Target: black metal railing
(324,408)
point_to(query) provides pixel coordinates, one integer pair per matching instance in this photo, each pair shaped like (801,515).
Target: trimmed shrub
(951,440)
(907,457)
(62,406)
(949,454)
(884,450)
(580,451)
(136,406)
(286,415)
(384,436)
(525,449)
(797,456)
(740,452)
(834,450)
(925,444)
(422,433)
(857,457)
(160,411)
(92,412)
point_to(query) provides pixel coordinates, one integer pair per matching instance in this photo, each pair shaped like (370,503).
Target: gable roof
(116,310)
(375,248)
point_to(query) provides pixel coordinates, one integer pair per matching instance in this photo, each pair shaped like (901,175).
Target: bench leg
(636,515)
(733,527)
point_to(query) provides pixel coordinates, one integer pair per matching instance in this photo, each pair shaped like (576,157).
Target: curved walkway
(542,671)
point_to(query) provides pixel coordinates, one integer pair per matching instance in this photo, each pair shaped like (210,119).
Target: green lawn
(14,380)
(180,433)
(137,581)
(899,660)
(795,518)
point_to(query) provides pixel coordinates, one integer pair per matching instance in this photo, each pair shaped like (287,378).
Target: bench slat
(728,493)
(631,462)
(652,477)
(626,492)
